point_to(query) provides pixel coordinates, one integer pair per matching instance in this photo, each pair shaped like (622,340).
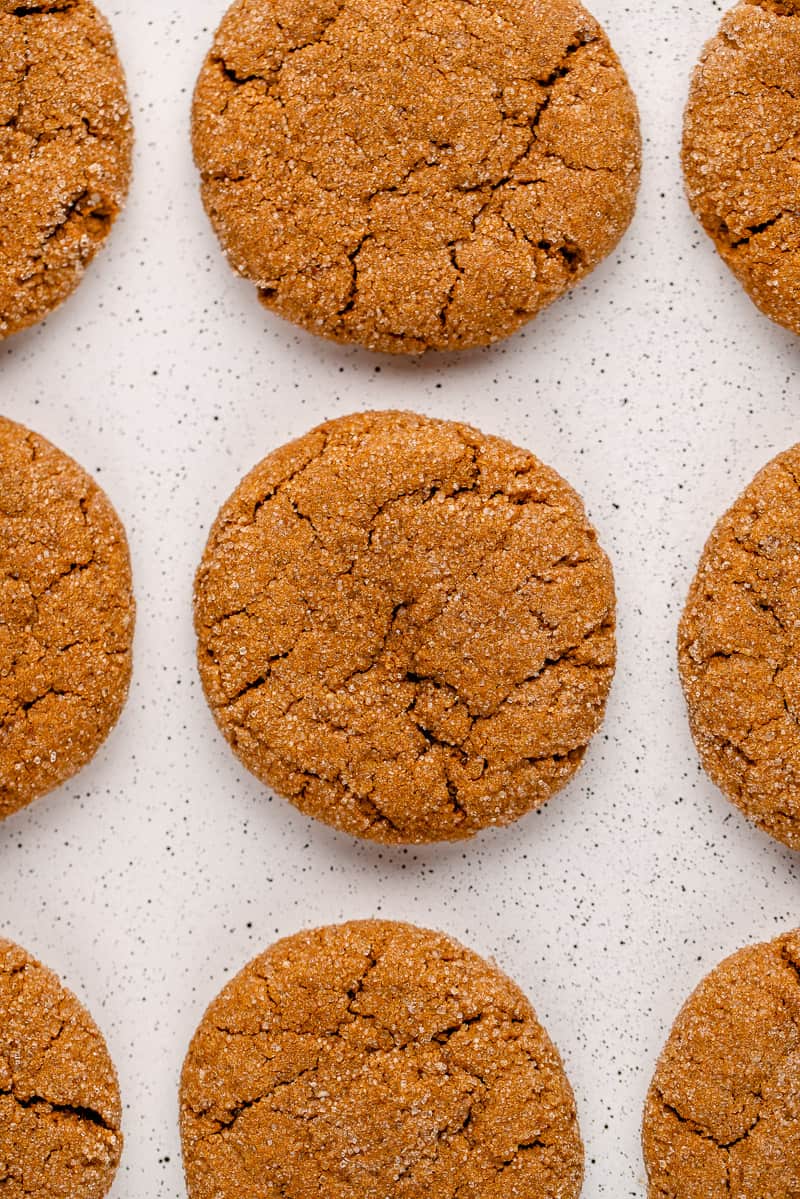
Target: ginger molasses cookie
(65,151)
(722,1119)
(406,627)
(738,648)
(66,617)
(413,176)
(375,1059)
(60,1109)
(739,151)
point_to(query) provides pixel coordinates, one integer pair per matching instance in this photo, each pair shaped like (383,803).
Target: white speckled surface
(656,389)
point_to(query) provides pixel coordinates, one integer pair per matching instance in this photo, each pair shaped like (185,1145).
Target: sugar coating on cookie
(406,627)
(410,175)
(738,651)
(65,151)
(66,617)
(722,1119)
(374,1059)
(60,1111)
(739,151)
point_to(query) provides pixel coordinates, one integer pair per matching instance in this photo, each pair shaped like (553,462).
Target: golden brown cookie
(66,617)
(376,1059)
(60,1109)
(739,151)
(722,1119)
(738,646)
(414,176)
(65,151)
(406,627)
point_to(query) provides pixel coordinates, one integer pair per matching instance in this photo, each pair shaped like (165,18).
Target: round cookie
(722,1119)
(66,617)
(406,627)
(65,151)
(738,651)
(740,137)
(412,176)
(60,1111)
(376,1059)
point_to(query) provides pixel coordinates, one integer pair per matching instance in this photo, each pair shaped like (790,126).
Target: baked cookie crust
(722,1118)
(414,177)
(738,651)
(739,151)
(66,617)
(375,1059)
(60,1110)
(65,151)
(406,627)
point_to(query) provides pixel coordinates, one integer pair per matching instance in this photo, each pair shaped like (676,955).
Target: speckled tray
(656,389)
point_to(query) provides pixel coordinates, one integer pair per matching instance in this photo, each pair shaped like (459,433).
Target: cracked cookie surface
(722,1119)
(738,649)
(374,1059)
(740,151)
(410,175)
(60,1111)
(66,617)
(65,151)
(406,627)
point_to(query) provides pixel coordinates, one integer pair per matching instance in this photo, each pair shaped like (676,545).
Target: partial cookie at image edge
(67,616)
(737,649)
(721,1117)
(66,141)
(409,185)
(60,1108)
(738,156)
(336,1036)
